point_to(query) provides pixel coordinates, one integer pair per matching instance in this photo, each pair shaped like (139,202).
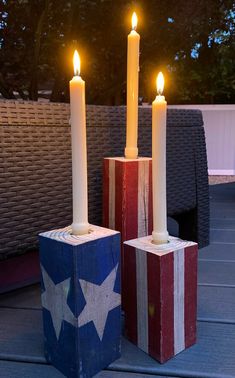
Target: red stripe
(150,207)
(154,298)
(129,295)
(119,188)
(161,306)
(106,193)
(131,201)
(167,310)
(190,294)
(119,213)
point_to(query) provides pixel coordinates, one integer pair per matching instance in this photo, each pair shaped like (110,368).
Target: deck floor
(21,337)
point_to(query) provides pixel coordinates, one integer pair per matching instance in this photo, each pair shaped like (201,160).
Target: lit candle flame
(76,63)
(160,83)
(134,21)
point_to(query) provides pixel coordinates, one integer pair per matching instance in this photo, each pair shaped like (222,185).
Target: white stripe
(112,194)
(143,197)
(179,337)
(142,299)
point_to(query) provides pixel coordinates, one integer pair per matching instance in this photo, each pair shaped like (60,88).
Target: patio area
(21,334)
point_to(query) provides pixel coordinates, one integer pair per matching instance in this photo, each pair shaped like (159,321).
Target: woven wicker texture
(35,168)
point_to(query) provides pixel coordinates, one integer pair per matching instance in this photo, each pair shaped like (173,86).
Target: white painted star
(100,299)
(54,299)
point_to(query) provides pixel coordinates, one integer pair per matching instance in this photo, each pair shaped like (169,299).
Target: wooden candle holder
(81,299)
(127,199)
(161,295)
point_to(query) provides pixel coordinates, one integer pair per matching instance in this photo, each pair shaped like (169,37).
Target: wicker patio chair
(35,179)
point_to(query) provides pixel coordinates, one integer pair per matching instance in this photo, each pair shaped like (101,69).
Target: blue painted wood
(216,251)
(216,273)
(21,339)
(216,304)
(81,301)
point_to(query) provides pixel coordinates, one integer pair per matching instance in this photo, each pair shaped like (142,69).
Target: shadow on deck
(21,336)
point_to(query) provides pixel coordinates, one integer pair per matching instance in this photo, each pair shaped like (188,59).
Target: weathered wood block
(127,200)
(81,299)
(127,196)
(161,295)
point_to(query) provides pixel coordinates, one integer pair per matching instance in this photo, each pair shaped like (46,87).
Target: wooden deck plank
(222,223)
(21,330)
(9,369)
(222,192)
(211,357)
(216,304)
(216,273)
(220,210)
(21,339)
(213,303)
(222,236)
(218,251)
(27,297)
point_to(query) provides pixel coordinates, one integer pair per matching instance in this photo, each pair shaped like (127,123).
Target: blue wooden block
(81,299)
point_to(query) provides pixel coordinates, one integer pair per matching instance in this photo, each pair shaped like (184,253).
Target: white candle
(79,152)
(131,150)
(160,234)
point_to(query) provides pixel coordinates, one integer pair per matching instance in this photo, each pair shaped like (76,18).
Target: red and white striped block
(127,200)
(161,295)
(127,196)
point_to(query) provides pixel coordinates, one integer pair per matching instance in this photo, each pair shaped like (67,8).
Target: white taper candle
(79,151)
(159,106)
(131,150)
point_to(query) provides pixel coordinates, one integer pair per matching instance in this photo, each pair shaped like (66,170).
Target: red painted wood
(190,290)
(154,298)
(19,271)
(129,295)
(106,193)
(150,205)
(167,306)
(131,201)
(119,196)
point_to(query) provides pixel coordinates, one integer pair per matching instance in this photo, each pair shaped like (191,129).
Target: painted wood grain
(28,297)
(21,339)
(223,236)
(222,211)
(21,335)
(10,369)
(222,223)
(216,304)
(216,251)
(211,357)
(19,369)
(216,273)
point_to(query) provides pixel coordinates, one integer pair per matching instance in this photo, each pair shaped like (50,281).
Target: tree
(193,43)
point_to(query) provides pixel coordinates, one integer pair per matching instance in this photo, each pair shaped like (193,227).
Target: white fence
(219,123)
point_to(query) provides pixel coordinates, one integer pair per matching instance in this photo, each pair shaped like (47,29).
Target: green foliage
(191,42)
